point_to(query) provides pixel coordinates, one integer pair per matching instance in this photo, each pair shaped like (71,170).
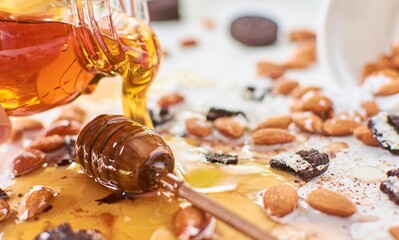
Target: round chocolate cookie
(254,30)
(162,10)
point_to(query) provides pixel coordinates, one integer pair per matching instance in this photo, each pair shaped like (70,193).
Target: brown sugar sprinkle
(284,86)
(394,231)
(370,108)
(302,35)
(300,91)
(198,127)
(47,144)
(170,100)
(282,122)
(229,127)
(269,69)
(188,42)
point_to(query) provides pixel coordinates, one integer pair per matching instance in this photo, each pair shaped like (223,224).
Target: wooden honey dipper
(124,155)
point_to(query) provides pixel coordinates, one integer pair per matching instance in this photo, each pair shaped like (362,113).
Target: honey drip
(45,64)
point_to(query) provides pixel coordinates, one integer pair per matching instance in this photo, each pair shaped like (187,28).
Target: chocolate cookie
(222,158)
(304,164)
(385,130)
(254,30)
(161,10)
(390,185)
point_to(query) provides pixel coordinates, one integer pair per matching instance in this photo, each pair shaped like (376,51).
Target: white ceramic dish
(354,32)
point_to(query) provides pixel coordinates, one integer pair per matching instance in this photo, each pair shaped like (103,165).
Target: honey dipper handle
(171,183)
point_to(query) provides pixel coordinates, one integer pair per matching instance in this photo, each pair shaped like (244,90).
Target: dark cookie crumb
(3,195)
(215,113)
(160,118)
(254,30)
(222,158)
(251,93)
(319,164)
(393,120)
(65,232)
(114,197)
(393,194)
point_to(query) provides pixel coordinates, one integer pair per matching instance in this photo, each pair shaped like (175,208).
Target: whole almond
(5,210)
(198,127)
(391,73)
(282,122)
(64,128)
(280,199)
(47,144)
(16,134)
(364,134)
(395,61)
(301,35)
(304,56)
(170,100)
(335,147)
(339,127)
(190,222)
(73,113)
(27,162)
(284,86)
(300,91)
(367,70)
(229,126)
(388,89)
(27,124)
(188,42)
(316,103)
(394,231)
(269,69)
(308,122)
(271,136)
(331,203)
(36,201)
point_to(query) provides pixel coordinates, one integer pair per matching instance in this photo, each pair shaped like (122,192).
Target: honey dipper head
(122,154)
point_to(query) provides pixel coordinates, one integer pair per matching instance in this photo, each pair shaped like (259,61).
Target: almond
(16,134)
(170,100)
(388,89)
(316,103)
(339,127)
(364,134)
(331,203)
(308,122)
(5,210)
(47,144)
(301,35)
(269,69)
(280,199)
(198,127)
(390,73)
(300,91)
(270,136)
(28,161)
(36,201)
(304,56)
(370,108)
(27,124)
(394,231)
(229,126)
(368,69)
(335,147)
(64,128)
(190,222)
(282,122)
(188,42)
(284,86)
(395,61)
(73,113)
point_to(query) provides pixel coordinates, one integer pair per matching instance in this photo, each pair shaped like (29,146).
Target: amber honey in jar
(50,51)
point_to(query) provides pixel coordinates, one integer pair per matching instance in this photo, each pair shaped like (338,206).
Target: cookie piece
(254,30)
(383,127)
(222,158)
(390,186)
(162,10)
(215,113)
(306,164)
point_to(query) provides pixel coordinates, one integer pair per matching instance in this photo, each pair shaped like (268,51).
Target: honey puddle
(142,218)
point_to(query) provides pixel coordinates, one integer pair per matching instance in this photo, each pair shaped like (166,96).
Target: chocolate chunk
(161,117)
(254,30)
(389,186)
(383,127)
(161,10)
(222,158)
(65,232)
(3,195)
(215,113)
(304,164)
(394,122)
